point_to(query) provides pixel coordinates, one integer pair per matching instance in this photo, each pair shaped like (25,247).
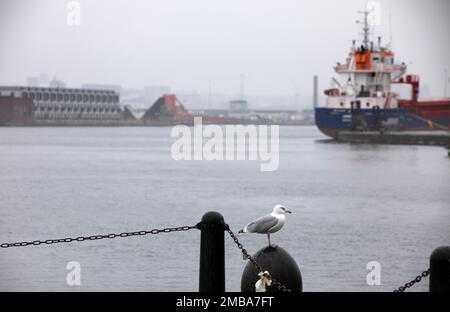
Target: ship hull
(331,121)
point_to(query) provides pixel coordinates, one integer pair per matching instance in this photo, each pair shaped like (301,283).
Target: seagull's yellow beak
(288,210)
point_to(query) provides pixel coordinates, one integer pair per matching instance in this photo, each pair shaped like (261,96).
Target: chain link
(97,237)
(414,281)
(277,284)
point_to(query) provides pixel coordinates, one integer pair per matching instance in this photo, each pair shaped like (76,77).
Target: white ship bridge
(366,77)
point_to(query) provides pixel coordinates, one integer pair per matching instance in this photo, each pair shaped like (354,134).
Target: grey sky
(278,45)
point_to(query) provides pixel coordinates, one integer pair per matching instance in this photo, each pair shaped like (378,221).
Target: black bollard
(280,266)
(212,253)
(440,269)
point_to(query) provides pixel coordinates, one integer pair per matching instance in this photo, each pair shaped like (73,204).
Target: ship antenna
(366,28)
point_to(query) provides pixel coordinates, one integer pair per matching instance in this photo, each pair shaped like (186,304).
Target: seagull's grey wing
(261,225)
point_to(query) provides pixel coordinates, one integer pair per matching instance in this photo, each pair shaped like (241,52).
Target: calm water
(352,204)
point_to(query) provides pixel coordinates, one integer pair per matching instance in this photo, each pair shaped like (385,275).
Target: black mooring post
(212,253)
(440,269)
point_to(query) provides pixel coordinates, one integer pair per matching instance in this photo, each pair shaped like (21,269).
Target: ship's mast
(366,28)
(390,25)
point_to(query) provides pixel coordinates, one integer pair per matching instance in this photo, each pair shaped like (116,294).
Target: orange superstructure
(363,60)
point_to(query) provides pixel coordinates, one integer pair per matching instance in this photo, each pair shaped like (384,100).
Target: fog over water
(278,46)
(352,203)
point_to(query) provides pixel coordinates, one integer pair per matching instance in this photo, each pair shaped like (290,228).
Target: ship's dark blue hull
(332,120)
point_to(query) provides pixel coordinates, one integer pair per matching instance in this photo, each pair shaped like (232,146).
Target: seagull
(269,223)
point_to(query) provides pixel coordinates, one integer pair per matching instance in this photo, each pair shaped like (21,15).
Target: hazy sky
(278,45)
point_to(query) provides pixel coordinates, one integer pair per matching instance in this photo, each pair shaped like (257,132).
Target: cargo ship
(362,98)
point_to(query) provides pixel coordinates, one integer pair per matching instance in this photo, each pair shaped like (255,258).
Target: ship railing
(377,67)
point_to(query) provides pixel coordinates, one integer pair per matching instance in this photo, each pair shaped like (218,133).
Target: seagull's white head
(280,209)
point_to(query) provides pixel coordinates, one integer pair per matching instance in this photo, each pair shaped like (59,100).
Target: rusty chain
(97,237)
(414,281)
(277,284)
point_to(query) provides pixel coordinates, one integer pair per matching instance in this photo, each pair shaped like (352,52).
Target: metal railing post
(212,253)
(440,270)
